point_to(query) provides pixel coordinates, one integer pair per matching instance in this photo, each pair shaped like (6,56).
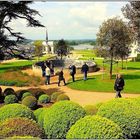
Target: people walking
(43,67)
(61,77)
(72,69)
(52,68)
(48,74)
(85,70)
(119,85)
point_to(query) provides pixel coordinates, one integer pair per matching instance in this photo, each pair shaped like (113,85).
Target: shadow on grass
(130,76)
(133,68)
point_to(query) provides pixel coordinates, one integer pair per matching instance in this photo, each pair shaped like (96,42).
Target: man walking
(72,72)
(85,70)
(48,73)
(61,77)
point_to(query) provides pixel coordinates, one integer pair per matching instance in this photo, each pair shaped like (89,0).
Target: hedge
(9,99)
(94,127)
(60,117)
(124,112)
(54,96)
(91,109)
(44,99)
(8,91)
(20,127)
(30,101)
(62,97)
(15,110)
(26,94)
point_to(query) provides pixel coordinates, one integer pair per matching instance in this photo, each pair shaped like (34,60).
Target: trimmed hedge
(23,137)
(8,91)
(124,112)
(94,127)
(20,93)
(20,127)
(30,101)
(15,110)
(26,94)
(10,99)
(90,109)
(60,117)
(62,97)
(54,96)
(44,99)
(38,94)
(39,115)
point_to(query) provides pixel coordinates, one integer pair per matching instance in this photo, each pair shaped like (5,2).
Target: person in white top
(48,74)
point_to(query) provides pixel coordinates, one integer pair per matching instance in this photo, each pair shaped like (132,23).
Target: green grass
(96,83)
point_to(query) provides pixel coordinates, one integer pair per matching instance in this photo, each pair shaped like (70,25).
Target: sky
(69,20)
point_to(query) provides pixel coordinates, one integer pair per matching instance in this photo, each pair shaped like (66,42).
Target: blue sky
(69,20)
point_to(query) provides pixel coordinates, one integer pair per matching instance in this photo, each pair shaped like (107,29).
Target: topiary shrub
(60,117)
(23,137)
(26,94)
(54,96)
(38,94)
(90,109)
(20,93)
(10,99)
(39,115)
(15,110)
(94,127)
(124,112)
(98,105)
(62,97)
(44,99)
(8,91)
(30,101)
(20,127)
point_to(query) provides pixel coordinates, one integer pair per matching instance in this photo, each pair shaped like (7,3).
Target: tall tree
(115,35)
(10,10)
(132,12)
(61,48)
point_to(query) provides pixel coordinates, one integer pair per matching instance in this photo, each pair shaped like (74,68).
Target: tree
(116,36)
(10,10)
(61,48)
(132,12)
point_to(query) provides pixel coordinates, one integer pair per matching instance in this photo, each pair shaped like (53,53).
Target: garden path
(81,97)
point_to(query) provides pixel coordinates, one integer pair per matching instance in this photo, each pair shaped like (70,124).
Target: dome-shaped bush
(38,94)
(94,127)
(20,127)
(20,93)
(8,91)
(60,117)
(44,99)
(23,137)
(26,94)
(15,110)
(10,99)
(90,109)
(39,115)
(62,97)
(30,101)
(124,112)
(54,96)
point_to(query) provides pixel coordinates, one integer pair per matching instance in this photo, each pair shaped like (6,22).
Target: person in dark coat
(61,77)
(43,67)
(85,70)
(72,69)
(119,85)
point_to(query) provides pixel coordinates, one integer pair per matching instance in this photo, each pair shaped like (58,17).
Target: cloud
(69,20)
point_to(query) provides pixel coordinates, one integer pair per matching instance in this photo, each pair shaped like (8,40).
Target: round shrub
(94,127)
(20,127)
(30,101)
(98,105)
(10,99)
(39,115)
(39,93)
(54,96)
(26,94)
(124,112)
(15,110)
(8,91)
(62,97)
(20,93)
(23,137)
(60,117)
(44,99)
(90,109)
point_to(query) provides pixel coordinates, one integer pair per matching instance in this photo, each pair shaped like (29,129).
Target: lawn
(96,83)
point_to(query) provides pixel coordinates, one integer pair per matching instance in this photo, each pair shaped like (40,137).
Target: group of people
(48,70)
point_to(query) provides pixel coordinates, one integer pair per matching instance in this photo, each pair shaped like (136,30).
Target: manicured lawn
(96,83)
